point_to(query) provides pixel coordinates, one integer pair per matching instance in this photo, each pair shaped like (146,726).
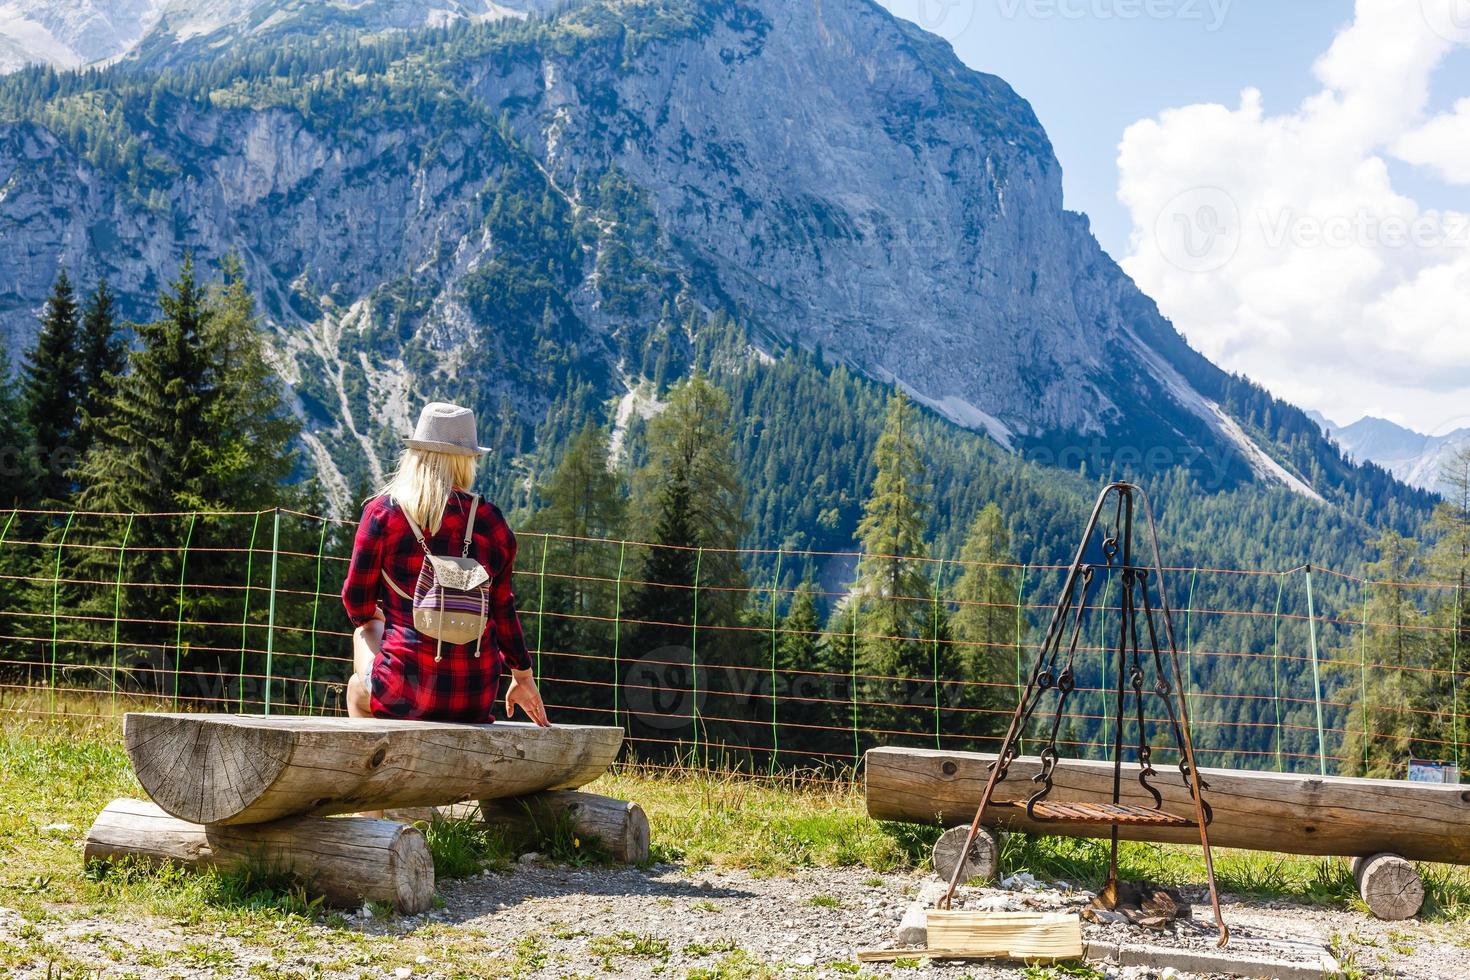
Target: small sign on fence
(1425,771)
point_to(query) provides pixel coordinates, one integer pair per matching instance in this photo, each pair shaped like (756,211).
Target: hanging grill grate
(1138,649)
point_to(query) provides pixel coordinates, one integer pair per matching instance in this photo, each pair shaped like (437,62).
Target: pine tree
(17,450)
(1400,706)
(687,504)
(986,621)
(891,574)
(249,454)
(1449,561)
(582,513)
(50,388)
(687,492)
(103,359)
(151,452)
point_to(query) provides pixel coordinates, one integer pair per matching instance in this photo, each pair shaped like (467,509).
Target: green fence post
(1363,674)
(245,612)
(117,598)
(1020,607)
(1455,679)
(1316,675)
(270,620)
(56,602)
(316,602)
(852,681)
(934,628)
(1275,664)
(179,626)
(775,730)
(618,627)
(541,603)
(694,654)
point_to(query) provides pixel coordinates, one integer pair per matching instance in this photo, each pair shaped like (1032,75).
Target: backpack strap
(413,525)
(394,586)
(469,528)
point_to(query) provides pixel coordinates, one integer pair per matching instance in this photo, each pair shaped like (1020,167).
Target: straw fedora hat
(445,428)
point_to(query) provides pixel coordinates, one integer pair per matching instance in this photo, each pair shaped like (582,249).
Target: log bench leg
(622,827)
(1390,886)
(348,860)
(982,861)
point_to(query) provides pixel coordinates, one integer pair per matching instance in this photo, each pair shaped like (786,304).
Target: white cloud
(1280,246)
(1442,144)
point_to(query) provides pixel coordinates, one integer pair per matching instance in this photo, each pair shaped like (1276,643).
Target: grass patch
(739,965)
(463,847)
(624,944)
(764,826)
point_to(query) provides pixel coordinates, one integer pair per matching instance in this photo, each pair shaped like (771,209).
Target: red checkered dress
(406,682)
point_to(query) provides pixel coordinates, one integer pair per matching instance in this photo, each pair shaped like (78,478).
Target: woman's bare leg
(366,642)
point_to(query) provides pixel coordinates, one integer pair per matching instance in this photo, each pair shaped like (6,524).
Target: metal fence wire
(765,660)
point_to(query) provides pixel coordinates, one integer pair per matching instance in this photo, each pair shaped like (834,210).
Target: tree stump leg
(345,859)
(620,826)
(981,862)
(1390,886)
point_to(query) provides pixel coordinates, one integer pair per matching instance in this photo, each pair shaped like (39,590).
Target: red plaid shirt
(406,682)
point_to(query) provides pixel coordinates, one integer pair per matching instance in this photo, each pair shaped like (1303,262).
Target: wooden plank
(1295,814)
(241,769)
(348,860)
(1011,935)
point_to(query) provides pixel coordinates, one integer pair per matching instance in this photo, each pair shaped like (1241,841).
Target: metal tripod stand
(1054,670)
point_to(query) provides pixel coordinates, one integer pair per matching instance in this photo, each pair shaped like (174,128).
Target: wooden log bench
(242,790)
(1282,812)
(236,769)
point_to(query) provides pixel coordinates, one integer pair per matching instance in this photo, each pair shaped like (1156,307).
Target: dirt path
(561,922)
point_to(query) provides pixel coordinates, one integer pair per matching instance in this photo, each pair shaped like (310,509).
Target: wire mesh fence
(760,660)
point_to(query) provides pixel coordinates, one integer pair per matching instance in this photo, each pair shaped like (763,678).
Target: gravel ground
(560,922)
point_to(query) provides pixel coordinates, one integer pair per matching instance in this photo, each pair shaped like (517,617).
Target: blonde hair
(423,482)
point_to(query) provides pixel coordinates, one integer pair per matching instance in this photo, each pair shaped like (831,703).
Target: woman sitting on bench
(429,589)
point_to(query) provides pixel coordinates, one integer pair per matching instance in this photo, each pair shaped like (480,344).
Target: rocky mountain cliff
(536,215)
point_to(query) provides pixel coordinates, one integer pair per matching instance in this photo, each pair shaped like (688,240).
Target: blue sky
(1093,68)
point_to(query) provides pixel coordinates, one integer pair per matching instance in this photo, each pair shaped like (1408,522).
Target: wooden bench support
(621,827)
(243,769)
(1390,886)
(348,860)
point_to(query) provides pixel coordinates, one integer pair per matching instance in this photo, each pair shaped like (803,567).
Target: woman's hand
(522,694)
